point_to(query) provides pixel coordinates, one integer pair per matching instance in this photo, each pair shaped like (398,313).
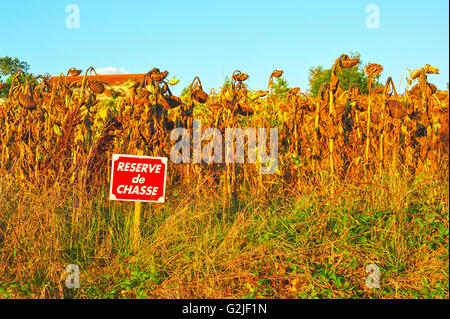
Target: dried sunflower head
(73,72)
(349,63)
(200,95)
(294,91)
(430,70)
(277,73)
(170,102)
(27,101)
(240,77)
(158,76)
(244,110)
(97,86)
(374,69)
(396,109)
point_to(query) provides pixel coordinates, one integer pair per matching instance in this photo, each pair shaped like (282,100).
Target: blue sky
(211,39)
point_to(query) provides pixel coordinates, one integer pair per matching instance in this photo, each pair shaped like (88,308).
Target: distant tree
(314,74)
(317,76)
(356,74)
(9,66)
(226,84)
(280,87)
(184,92)
(4,89)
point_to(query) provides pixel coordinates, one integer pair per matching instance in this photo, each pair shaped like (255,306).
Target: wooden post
(135,230)
(136,227)
(368,120)
(331,140)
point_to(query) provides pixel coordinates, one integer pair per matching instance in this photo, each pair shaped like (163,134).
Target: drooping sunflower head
(240,77)
(171,102)
(97,87)
(277,73)
(348,63)
(200,95)
(73,72)
(294,91)
(158,76)
(430,70)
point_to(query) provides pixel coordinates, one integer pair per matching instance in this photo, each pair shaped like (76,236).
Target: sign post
(140,179)
(136,230)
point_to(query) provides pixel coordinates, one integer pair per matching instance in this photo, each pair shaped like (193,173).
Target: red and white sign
(138,178)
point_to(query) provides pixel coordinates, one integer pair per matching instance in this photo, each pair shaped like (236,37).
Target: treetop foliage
(9,66)
(280,87)
(356,74)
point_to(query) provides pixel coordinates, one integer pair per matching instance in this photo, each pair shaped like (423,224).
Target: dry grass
(282,246)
